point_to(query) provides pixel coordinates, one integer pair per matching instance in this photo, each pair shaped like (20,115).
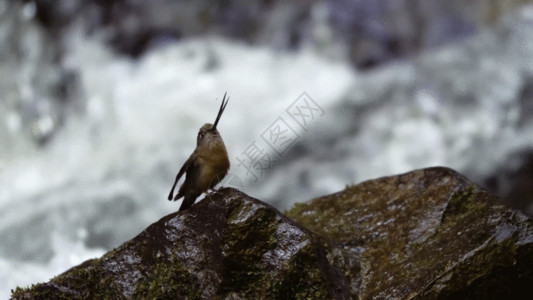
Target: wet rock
(229,245)
(426,234)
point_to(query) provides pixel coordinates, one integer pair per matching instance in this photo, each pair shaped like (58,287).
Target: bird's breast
(213,168)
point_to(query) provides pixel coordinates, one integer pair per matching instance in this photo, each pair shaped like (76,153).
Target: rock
(230,245)
(426,234)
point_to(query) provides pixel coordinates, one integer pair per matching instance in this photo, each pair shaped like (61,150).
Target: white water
(106,174)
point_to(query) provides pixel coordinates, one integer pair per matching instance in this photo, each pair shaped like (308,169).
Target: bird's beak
(221,110)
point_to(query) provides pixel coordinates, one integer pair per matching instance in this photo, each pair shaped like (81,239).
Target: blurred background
(101,101)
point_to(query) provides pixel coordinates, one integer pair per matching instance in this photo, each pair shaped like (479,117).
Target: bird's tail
(171,194)
(178,195)
(188,201)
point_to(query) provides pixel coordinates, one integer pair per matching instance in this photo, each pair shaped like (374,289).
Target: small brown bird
(206,166)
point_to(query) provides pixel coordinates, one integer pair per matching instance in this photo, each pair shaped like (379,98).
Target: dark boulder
(427,234)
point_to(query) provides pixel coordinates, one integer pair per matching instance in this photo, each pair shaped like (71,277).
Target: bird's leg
(212,190)
(208,195)
(216,190)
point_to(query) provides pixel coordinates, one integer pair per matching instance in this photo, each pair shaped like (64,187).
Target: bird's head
(208,135)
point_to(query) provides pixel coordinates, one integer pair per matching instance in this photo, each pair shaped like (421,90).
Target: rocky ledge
(426,234)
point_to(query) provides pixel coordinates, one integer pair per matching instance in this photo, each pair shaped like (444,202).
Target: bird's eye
(202,134)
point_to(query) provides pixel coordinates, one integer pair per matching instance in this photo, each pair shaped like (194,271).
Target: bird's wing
(184,168)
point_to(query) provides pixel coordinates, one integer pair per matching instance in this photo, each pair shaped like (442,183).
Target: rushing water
(104,173)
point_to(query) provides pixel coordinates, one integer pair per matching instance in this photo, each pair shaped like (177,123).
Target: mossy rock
(427,234)
(226,246)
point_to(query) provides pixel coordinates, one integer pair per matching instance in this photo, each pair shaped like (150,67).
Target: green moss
(463,201)
(248,242)
(299,279)
(33,292)
(115,250)
(85,277)
(302,279)
(168,280)
(36,291)
(309,216)
(18,292)
(246,271)
(91,278)
(297,210)
(321,216)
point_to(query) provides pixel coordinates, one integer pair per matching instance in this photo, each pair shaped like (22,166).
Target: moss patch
(86,281)
(167,280)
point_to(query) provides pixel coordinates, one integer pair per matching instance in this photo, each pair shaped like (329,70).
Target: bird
(207,165)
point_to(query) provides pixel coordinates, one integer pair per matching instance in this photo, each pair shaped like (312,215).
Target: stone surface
(427,234)
(228,245)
